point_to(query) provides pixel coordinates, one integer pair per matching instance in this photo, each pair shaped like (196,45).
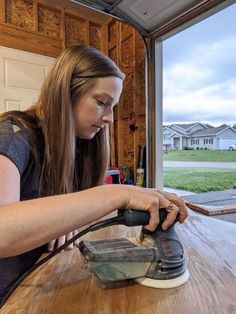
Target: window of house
(194,142)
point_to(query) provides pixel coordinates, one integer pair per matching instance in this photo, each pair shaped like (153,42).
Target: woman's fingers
(77,241)
(68,237)
(183,211)
(179,202)
(55,244)
(172,212)
(51,244)
(152,200)
(154,215)
(173,206)
(60,241)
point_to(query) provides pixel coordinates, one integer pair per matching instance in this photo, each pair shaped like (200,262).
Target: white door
(21,77)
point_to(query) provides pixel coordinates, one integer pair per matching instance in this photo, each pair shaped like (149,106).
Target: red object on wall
(114,176)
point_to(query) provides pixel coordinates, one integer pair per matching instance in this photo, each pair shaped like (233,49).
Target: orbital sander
(154,259)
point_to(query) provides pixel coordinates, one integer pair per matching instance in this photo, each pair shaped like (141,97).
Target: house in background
(198,135)
(175,136)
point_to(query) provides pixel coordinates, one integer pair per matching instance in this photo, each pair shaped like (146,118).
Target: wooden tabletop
(65,285)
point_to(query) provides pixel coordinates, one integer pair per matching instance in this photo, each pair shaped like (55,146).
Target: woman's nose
(108,117)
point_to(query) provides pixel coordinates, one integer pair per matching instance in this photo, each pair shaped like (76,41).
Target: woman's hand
(179,202)
(54,244)
(152,200)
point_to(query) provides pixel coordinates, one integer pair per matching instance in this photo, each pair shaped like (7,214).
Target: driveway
(199,164)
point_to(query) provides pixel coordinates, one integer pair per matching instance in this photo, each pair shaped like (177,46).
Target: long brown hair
(70,163)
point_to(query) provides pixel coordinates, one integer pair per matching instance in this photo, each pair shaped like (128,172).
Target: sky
(199,77)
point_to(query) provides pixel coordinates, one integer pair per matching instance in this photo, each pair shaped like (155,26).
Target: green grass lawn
(201,155)
(199,179)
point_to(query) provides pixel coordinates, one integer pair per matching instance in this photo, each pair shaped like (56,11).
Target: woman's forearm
(29,224)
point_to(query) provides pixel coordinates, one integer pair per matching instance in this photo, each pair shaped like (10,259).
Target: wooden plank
(212,209)
(65,284)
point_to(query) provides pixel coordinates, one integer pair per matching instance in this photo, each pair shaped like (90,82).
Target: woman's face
(95,108)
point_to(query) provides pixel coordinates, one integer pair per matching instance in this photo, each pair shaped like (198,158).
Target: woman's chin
(87,136)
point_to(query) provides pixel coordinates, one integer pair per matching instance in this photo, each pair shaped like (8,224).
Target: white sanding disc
(165,283)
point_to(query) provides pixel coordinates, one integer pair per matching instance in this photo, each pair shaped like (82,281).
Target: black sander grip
(139,218)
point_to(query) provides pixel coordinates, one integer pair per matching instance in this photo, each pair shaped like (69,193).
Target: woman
(53,158)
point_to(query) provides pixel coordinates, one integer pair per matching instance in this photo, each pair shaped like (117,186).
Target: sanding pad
(165,283)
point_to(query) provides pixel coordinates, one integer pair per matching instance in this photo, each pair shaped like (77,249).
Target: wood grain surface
(65,284)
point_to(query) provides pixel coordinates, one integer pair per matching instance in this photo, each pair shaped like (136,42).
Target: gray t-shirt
(15,145)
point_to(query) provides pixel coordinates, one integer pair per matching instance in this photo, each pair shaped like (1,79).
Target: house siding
(178,137)
(199,142)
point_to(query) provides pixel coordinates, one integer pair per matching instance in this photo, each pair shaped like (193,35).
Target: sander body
(154,259)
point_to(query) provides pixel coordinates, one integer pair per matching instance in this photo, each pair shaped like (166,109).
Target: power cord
(125,217)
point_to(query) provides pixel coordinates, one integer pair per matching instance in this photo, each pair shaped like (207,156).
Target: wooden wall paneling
(115,143)
(19,30)
(127,55)
(142,130)
(128,96)
(127,50)
(2,11)
(140,74)
(136,105)
(112,53)
(76,30)
(63,29)
(29,41)
(120,123)
(20,13)
(45,27)
(112,35)
(112,146)
(125,30)
(104,38)
(127,64)
(77,10)
(35,17)
(49,21)
(128,145)
(139,70)
(95,35)
(87,22)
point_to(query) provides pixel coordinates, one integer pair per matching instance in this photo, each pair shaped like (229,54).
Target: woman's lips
(96,128)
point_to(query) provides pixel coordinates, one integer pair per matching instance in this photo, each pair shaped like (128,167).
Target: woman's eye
(101,103)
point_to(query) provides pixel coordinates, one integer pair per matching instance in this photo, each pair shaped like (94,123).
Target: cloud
(185,76)
(200,83)
(212,103)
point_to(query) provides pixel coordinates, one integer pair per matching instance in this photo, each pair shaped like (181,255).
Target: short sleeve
(14,144)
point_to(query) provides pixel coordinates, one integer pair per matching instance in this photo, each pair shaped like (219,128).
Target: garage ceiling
(155,16)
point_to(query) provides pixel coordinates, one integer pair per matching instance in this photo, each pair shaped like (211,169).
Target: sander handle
(134,217)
